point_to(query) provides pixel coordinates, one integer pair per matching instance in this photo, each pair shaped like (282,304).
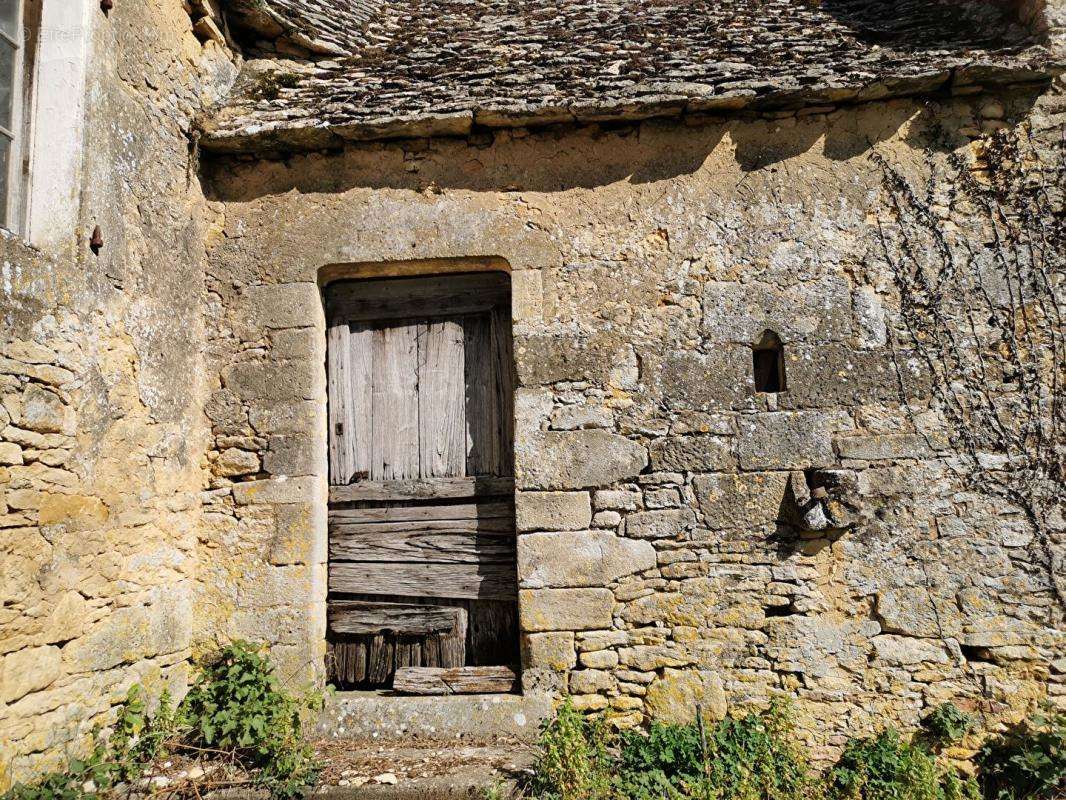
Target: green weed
(574,762)
(1028,762)
(235,712)
(889,767)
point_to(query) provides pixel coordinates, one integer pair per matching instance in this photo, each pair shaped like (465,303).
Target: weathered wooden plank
(341,427)
(424,513)
(361,394)
(449,548)
(381,659)
(483,580)
(441,400)
(461,680)
(416,297)
(349,661)
(360,617)
(504,379)
(433,489)
(482,444)
(498,525)
(394,445)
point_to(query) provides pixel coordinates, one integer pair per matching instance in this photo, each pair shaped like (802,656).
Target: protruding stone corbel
(827,499)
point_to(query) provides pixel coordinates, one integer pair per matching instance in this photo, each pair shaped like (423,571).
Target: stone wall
(101,432)
(671,547)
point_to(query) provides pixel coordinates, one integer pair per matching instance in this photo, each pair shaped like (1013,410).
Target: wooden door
(421,525)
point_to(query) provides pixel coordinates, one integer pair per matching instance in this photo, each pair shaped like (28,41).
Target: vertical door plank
(482,446)
(503,383)
(441,400)
(381,659)
(394,438)
(341,428)
(361,394)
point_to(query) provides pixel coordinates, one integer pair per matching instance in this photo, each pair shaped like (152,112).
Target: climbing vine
(978,261)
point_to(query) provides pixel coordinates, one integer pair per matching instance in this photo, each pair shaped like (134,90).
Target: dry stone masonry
(669,187)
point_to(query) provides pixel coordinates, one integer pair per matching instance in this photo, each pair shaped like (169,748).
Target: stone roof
(307,27)
(440,67)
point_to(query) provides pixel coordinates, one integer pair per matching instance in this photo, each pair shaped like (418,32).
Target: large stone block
(285,305)
(672,698)
(583,558)
(577,459)
(234,462)
(814,311)
(667,523)
(553,651)
(130,634)
(565,609)
(299,416)
(910,611)
(690,380)
(591,681)
(553,511)
(299,534)
(277,490)
(739,501)
(278,380)
(28,670)
(884,447)
(692,453)
(838,375)
(786,440)
(649,657)
(903,651)
(295,454)
(543,360)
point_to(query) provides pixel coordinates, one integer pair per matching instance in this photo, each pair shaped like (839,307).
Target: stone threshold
(372,717)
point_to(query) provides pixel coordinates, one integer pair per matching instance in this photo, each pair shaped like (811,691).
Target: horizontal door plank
(427,513)
(369,618)
(484,580)
(461,680)
(432,546)
(428,489)
(499,525)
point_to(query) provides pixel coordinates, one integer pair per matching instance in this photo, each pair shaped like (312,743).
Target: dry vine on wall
(978,261)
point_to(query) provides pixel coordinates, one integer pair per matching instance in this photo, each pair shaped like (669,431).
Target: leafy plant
(236,705)
(235,712)
(1028,761)
(888,767)
(574,762)
(751,757)
(947,724)
(82,778)
(663,763)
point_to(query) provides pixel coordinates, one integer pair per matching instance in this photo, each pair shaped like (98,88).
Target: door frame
(417,268)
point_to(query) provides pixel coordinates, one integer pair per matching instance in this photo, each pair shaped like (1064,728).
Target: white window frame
(21,91)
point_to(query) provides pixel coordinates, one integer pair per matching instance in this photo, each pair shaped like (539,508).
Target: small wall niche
(768,363)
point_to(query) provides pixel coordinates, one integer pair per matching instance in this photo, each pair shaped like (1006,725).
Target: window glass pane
(9,17)
(5,154)
(7,81)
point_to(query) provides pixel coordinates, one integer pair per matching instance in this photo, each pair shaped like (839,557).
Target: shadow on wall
(577,157)
(909,26)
